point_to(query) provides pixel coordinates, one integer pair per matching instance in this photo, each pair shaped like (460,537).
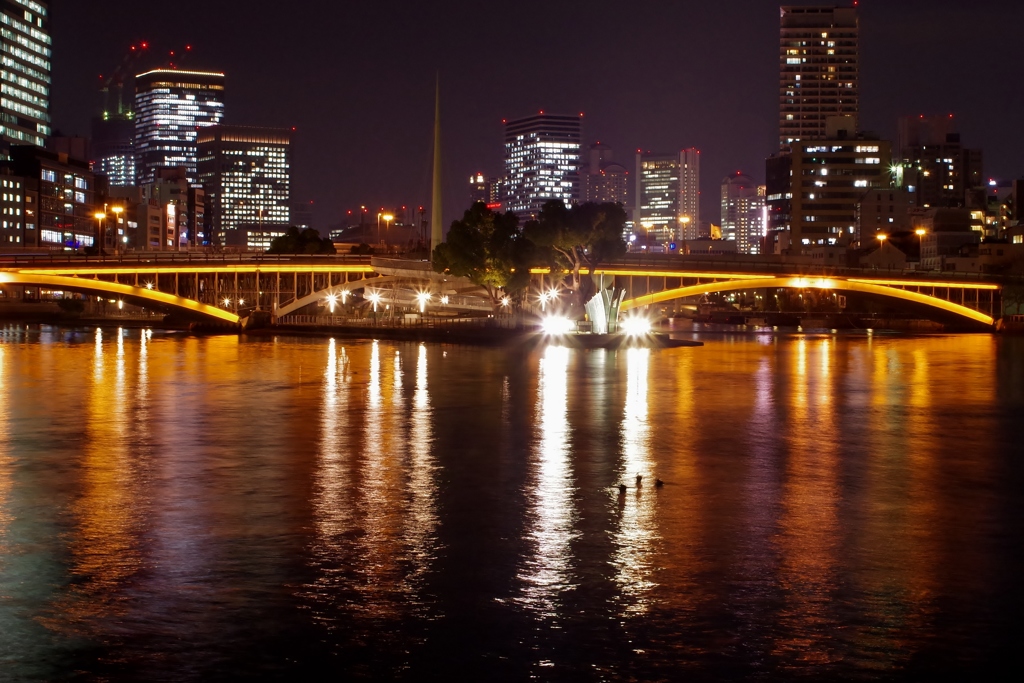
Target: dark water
(181,509)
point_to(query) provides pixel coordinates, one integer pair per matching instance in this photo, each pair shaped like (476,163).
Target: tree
(306,241)
(487,249)
(583,236)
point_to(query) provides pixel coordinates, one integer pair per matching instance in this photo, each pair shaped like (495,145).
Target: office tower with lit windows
(656,218)
(542,162)
(667,196)
(932,161)
(25,43)
(814,189)
(743,212)
(818,70)
(171,105)
(603,180)
(689,193)
(113,149)
(484,189)
(245,172)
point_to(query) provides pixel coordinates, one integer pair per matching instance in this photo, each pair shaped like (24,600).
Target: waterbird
(639,480)
(658,483)
(622,488)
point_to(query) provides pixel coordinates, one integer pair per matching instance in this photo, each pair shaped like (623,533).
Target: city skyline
(344,153)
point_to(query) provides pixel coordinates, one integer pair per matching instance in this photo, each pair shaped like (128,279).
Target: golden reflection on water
(637,527)
(808,541)
(104,550)
(6,464)
(550,490)
(422,524)
(811,489)
(374,503)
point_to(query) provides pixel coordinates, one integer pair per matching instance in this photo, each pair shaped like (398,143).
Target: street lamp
(920,232)
(100,215)
(388,217)
(882,237)
(374,298)
(118,210)
(423,298)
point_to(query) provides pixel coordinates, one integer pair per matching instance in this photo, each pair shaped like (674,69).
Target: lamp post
(100,216)
(118,210)
(388,217)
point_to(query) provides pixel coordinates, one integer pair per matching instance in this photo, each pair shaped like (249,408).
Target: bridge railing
(176,257)
(496,322)
(752,266)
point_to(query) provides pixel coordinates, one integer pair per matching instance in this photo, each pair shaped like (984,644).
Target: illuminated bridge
(229,288)
(650,282)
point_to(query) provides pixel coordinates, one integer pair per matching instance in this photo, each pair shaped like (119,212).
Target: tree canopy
(297,241)
(486,248)
(582,236)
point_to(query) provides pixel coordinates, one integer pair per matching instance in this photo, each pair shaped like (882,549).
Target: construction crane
(124,72)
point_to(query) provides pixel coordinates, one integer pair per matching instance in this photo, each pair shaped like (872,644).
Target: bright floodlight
(374,298)
(505,301)
(636,326)
(423,298)
(241,302)
(332,300)
(557,325)
(227,302)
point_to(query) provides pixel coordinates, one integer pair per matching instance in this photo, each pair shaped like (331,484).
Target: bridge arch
(92,286)
(850,285)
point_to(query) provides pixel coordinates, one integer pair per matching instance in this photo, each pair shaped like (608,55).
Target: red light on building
(494,205)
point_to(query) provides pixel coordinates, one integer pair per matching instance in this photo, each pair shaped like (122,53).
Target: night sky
(356,79)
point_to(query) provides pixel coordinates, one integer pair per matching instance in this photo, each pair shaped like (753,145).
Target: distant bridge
(228,288)
(656,281)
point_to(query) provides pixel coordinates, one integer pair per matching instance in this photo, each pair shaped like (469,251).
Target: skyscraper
(542,162)
(113,146)
(246,174)
(934,163)
(604,180)
(813,189)
(656,213)
(689,193)
(667,196)
(170,106)
(743,212)
(25,43)
(818,70)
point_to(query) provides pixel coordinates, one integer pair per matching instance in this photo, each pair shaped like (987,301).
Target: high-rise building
(667,196)
(743,212)
(50,200)
(246,174)
(113,149)
(603,180)
(818,70)
(170,107)
(542,162)
(25,43)
(484,189)
(814,188)
(656,213)
(689,193)
(934,163)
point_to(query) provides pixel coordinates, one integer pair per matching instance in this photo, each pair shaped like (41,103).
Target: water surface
(176,508)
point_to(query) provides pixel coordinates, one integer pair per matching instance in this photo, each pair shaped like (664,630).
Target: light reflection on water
(550,490)
(183,509)
(637,531)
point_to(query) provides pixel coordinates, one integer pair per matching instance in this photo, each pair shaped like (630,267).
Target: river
(175,508)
